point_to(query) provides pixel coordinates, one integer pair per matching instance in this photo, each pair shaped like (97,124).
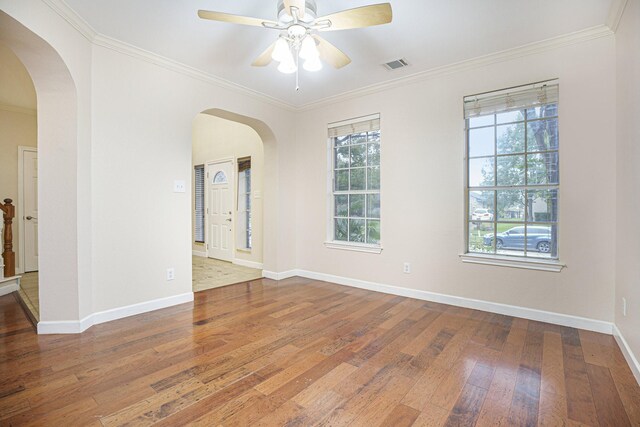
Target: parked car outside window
(481,215)
(538,239)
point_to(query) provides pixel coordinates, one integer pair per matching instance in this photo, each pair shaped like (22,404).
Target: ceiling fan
(298,24)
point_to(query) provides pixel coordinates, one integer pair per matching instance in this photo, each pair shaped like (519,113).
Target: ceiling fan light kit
(298,23)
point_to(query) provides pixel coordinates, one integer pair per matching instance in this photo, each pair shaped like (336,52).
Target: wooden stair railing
(9,257)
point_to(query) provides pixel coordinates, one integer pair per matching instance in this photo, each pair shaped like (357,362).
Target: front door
(219,210)
(30,209)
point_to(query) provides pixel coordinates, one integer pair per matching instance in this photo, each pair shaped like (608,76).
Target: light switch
(179,186)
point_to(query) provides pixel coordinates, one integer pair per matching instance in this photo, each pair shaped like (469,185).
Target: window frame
(247,197)
(504,259)
(331,193)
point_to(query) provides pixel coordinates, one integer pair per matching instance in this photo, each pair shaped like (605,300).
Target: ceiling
(428,33)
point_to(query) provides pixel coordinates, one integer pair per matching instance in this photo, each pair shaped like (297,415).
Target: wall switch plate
(406,268)
(171,273)
(624,306)
(179,186)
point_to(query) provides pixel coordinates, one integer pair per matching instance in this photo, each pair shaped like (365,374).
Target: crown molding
(76,21)
(16,109)
(170,64)
(65,11)
(469,64)
(615,14)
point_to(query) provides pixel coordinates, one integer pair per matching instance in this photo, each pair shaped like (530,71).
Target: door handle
(229,219)
(29,218)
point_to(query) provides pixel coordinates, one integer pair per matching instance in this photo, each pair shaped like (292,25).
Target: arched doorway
(228,181)
(57,170)
(18,174)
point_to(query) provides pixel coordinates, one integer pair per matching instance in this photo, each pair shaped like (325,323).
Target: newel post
(9,212)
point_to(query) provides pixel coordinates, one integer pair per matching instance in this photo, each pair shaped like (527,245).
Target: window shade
(511,99)
(199,206)
(244,163)
(357,125)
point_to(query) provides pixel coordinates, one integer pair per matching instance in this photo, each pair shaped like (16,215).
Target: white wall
(215,138)
(628,175)
(422,185)
(142,141)
(111,225)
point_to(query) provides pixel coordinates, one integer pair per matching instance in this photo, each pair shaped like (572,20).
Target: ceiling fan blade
(265,57)
(234,19)
(366,16)
(298,4)
(331,54)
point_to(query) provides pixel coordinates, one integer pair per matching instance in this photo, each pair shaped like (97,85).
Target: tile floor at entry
(209,273)
(29,293)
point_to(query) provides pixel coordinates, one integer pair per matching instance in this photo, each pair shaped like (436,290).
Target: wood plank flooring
(300,352)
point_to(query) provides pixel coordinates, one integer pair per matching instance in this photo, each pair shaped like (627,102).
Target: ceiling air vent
(394,65)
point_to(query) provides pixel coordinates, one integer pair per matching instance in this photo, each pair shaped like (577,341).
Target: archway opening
(228,163)
(18,177)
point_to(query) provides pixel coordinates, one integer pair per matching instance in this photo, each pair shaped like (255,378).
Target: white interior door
(220,210)
(30,209)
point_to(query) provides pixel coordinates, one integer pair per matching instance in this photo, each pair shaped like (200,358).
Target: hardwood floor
(301,352)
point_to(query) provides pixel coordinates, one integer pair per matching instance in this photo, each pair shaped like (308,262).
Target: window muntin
(513,173)
(356,187)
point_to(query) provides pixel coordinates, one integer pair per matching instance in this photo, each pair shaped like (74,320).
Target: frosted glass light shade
(287,66)
(281,51)
(308,49)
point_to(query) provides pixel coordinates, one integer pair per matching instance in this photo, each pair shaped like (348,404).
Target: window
(244,203)
(512,172)
(199,203)
(220,178)
(355,184)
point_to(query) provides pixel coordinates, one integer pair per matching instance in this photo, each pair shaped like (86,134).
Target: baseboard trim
(280,276)
(199,253)
(492,307)
(78,326)
(250,264)
(9,284)
(7,289)
(627,353)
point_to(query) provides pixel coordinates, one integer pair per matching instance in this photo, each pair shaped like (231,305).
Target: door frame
(207,186)
(21,150)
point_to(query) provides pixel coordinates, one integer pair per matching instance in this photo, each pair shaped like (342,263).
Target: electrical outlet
(406,268)
(171,273)
(624,306)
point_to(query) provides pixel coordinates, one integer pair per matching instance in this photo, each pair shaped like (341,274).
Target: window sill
(501,261)
(244,250)
(357,247)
